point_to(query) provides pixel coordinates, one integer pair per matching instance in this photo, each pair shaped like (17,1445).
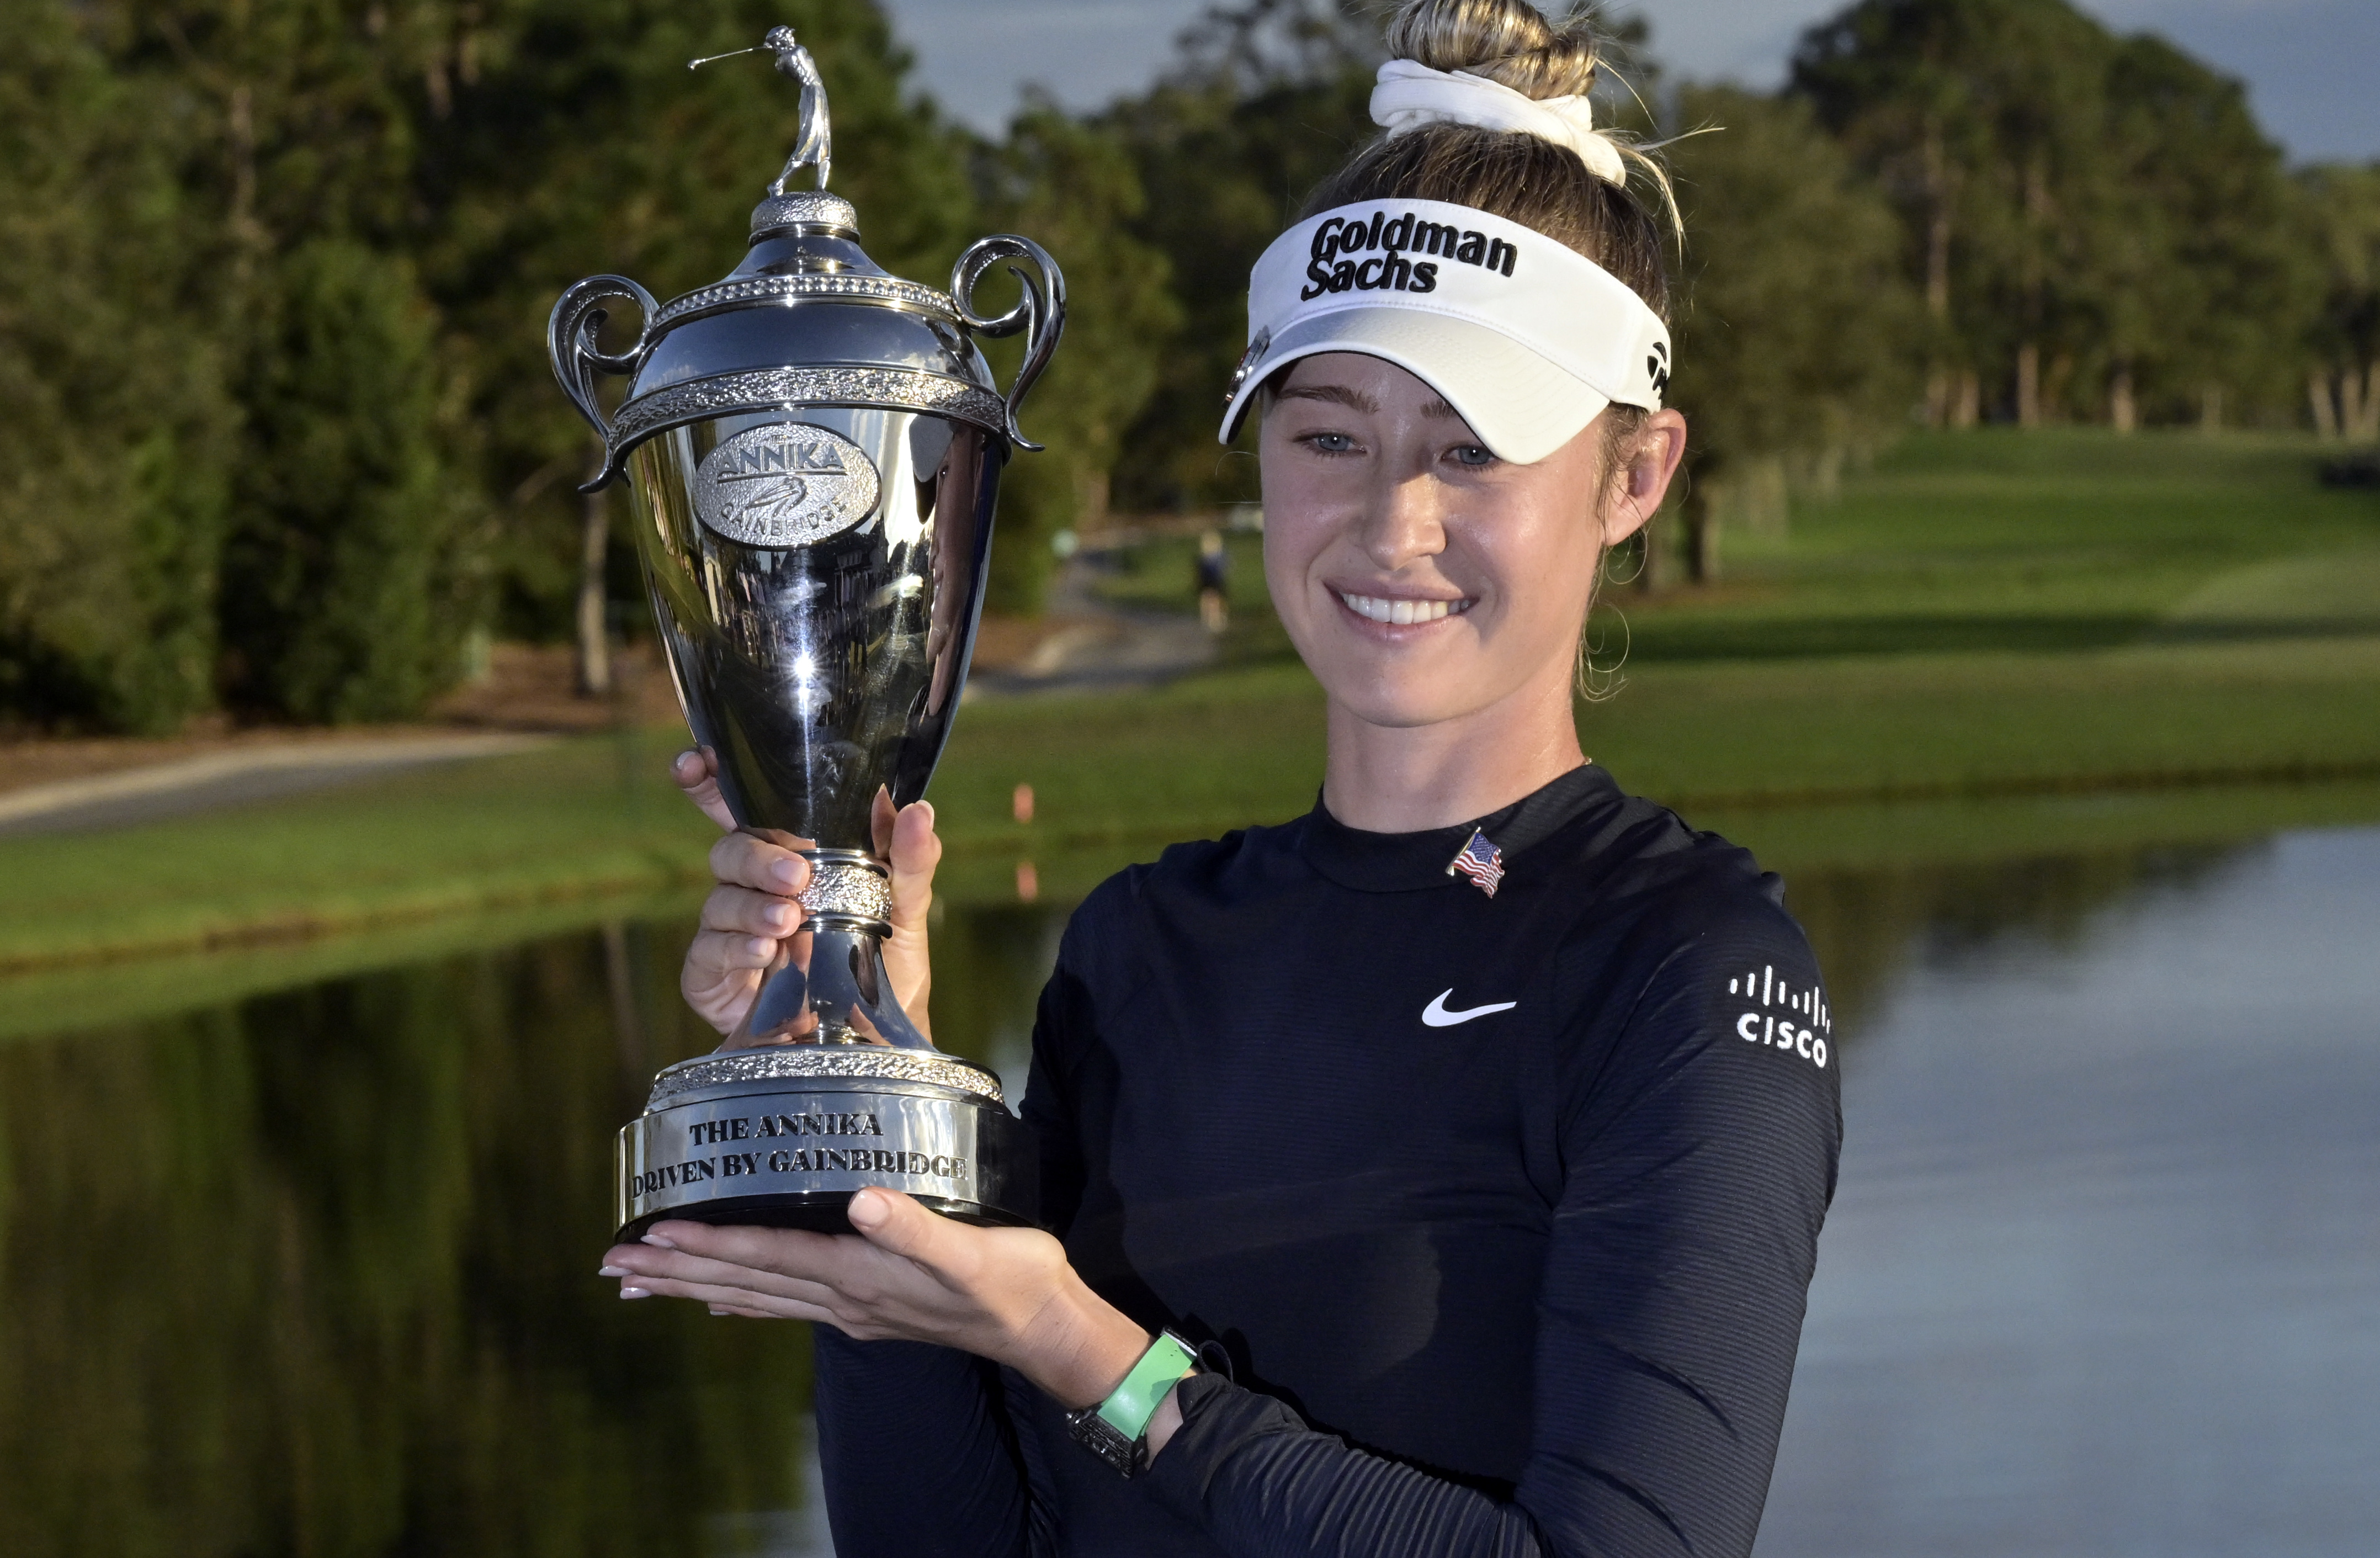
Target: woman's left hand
(751,925)
(1005,1294)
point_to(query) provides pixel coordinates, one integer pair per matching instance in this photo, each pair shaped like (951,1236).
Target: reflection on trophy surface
(814,448)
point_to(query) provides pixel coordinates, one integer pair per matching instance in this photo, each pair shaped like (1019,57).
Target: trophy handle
(570,343)
(1040,312)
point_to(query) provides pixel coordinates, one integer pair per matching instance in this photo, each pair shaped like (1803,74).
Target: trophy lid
(806,318)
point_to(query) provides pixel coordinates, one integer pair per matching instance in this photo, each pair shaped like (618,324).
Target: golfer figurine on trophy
(814,449)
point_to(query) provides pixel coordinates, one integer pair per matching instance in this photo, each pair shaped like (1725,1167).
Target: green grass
(84,993)
(2031,543)
(1986,642)
(2035,542)
(581,821)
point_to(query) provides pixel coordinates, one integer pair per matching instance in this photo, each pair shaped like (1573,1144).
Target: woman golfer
(1440,1172)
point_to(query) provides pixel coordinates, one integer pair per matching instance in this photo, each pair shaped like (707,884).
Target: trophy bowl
(813,449)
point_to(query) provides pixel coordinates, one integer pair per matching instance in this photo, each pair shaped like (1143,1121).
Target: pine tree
(344,593)
(335,586)
(2097,223)
(112,505)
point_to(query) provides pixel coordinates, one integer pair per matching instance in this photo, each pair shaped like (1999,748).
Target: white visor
(1526,338)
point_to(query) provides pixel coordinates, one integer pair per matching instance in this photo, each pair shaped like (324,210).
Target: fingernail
(657,1239)
(790,873)
(763,947)
(717,1310)
(613,1272)
(866,1211)
(928,807)
(634,1293)
(783,916)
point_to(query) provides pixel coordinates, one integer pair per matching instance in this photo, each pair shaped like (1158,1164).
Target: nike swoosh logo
(1437,1015)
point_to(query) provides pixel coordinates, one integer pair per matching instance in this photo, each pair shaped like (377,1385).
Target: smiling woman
(1427,582)
(1318,1276)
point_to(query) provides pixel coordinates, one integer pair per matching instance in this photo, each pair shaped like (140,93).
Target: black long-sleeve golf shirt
(1504,1209)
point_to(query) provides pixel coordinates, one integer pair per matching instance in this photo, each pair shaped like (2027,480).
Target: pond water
(2103,1275)
(312,1272)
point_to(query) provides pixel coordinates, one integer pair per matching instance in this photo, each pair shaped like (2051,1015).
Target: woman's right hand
(751,923)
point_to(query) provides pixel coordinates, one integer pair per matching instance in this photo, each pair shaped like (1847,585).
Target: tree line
(273,276)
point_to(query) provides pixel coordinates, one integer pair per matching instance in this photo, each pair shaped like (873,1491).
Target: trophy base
(780,1137)
(814,1211)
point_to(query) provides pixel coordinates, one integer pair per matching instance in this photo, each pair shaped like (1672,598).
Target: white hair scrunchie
(1410,95)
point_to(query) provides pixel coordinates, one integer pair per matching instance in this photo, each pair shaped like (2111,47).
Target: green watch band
(1130,1405)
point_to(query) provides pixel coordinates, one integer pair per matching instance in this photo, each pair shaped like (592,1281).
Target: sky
(2309,64)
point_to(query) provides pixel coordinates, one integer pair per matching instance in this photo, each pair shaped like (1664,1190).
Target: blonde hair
(1521,178)
(1502,40)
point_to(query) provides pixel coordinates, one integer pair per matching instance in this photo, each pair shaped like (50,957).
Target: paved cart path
(234,777)
(1103,647)
(1097,647)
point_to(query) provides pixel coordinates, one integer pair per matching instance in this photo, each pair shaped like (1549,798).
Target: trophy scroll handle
(1041,312)
(571,343)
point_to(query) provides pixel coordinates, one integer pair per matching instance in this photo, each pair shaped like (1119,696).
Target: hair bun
(1506,40)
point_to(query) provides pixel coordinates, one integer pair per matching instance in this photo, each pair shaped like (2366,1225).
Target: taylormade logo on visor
(1395,238)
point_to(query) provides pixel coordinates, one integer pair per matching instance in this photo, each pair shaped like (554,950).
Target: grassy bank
(1991,628)
(1117,776)
(1827,850)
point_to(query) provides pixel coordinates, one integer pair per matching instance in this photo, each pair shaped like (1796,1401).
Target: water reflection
(2103,1271)
(1868,927)
(311,1272)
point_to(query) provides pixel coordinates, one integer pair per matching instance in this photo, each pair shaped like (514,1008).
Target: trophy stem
(844,996)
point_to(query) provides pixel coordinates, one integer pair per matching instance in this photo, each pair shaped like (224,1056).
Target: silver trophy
(814,447)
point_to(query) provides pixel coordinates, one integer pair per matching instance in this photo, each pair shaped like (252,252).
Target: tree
(288,265)
(2196,274)
(339,599)
(345,592)
(1795,341)
(2339,216)
(1264,102)
(2097,222)
(112,505)
(1980,117)
(1075,191)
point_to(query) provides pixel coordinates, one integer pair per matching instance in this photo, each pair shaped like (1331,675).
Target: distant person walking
(1214,582)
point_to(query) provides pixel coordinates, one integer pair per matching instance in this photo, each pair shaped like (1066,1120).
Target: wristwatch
(1116,1430)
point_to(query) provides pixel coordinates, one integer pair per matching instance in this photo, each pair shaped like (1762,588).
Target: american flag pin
(1481,861)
